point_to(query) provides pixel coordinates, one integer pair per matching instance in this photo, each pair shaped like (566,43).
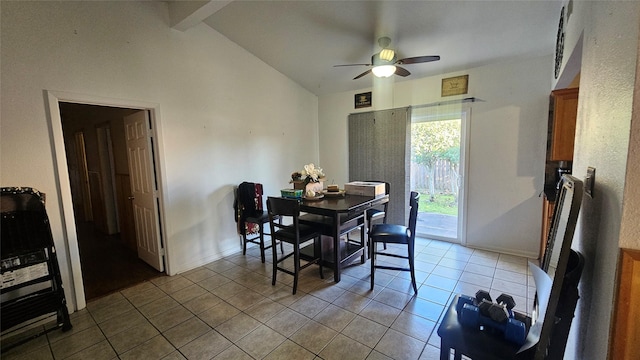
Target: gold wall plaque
(455,85)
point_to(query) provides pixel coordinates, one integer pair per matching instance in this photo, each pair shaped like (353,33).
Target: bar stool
(251,217)
(396,234)
(295,234)
(377,215)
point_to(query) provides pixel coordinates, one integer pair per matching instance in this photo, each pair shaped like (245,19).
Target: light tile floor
(228,309)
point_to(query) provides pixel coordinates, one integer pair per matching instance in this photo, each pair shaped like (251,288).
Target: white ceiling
(304,39)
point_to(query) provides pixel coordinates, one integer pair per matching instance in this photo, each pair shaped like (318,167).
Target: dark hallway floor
(107,264)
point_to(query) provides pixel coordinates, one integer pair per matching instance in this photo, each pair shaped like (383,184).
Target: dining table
(337,216)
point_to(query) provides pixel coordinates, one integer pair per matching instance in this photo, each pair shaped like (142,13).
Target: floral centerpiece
(310,178)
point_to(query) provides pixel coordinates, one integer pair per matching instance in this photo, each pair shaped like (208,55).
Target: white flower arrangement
(310,173)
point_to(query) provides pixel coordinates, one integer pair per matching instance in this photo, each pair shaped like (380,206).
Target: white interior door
(144,194)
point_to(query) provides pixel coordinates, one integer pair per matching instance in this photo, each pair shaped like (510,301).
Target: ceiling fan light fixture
(384,71)
(387,54)
(383,63)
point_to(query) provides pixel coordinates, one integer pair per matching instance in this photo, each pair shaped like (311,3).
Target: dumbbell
(501,310)
(484,302)
(477,313)
(481,295)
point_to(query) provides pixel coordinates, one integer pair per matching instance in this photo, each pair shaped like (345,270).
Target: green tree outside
(431,142)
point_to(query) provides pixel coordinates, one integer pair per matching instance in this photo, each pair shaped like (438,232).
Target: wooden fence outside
(446,177)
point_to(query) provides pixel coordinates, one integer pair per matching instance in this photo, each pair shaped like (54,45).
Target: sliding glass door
(438,164)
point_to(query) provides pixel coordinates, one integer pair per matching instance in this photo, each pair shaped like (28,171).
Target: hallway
(108,265)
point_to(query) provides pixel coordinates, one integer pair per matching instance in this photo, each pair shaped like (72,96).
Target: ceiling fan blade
(402,71)
(361,75)
(418,59)
(352,65)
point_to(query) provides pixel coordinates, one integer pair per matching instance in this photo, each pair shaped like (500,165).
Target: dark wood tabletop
(342,204)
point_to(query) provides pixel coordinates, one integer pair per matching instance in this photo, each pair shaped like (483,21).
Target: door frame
(53,100)
(465,126)
(465,130)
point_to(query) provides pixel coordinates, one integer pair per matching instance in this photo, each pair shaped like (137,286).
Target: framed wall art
(457,85)
(362,100)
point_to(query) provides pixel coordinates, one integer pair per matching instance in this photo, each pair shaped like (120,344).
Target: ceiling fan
(385,63)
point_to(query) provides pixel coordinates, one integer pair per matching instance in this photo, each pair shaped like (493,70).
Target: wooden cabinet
(624,340)
(563,110)
(547,215)
(562,126)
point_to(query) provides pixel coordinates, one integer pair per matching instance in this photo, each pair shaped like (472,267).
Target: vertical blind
(379,149)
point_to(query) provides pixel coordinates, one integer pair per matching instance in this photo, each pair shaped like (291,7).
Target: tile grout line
(243,267)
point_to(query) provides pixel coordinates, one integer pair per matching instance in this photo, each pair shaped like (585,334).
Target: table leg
(444,351)
(363,233)
(336,248)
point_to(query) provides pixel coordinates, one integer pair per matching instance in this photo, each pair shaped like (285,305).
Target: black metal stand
(31,282)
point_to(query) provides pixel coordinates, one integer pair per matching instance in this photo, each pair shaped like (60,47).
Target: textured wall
(608,73)
(222,122)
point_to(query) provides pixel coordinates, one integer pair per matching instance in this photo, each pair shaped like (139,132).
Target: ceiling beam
(186,14)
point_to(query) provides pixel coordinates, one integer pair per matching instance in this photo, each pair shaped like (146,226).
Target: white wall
(507,146)
(630,226)
(607,77)
(225,116)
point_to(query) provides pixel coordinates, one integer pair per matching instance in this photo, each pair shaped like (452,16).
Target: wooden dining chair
(396,234)
(293,233)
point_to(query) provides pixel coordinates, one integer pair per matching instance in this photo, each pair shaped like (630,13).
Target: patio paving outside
(437,225)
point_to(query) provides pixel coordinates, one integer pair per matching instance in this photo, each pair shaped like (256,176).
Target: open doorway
(438,167)
(99,174)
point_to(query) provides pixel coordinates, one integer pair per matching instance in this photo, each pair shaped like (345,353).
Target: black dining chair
(376,215)
(293,233)
(396,234)
(251,217)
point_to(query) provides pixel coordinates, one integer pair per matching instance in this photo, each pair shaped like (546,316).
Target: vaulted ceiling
(305,39)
